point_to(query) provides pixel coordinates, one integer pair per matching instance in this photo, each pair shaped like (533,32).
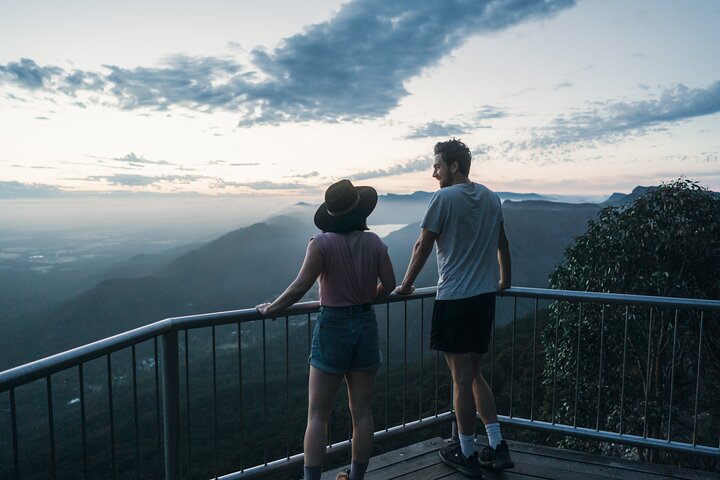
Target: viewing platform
(224,395)
(421,462)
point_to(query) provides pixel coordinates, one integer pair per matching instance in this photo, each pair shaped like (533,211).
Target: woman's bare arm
(386,274)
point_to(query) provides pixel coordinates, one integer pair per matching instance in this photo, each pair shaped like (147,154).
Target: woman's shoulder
(373,239)
(321,239)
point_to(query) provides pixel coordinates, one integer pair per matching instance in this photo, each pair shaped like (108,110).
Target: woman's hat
(346,207)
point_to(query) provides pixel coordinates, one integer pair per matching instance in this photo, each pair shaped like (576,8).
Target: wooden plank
(428,466)
(396,456)
(421,461)
(626,466)
(527,462)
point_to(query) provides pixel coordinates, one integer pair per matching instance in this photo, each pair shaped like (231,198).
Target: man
(465,219)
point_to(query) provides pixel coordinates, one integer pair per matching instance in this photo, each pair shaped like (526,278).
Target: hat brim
(343,223)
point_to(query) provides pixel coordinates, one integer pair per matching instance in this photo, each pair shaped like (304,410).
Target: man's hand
(404,290)
(262,309)
(504,285)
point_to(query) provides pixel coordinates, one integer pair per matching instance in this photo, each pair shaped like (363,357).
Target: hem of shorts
(448,349)
(328,369)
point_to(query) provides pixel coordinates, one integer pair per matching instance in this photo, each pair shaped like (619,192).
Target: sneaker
(344,475)
(452,456)
(497,458)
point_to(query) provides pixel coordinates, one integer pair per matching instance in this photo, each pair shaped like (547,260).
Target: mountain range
(255,263)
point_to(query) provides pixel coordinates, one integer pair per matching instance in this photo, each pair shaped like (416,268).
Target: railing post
(171,405)
(453,427)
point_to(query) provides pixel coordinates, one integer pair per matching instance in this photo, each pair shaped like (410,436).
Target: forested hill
(254,264)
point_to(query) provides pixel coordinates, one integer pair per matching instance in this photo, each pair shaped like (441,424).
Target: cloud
(306,175)
(437,129)
(460,125)
(354,66)
(611,121)
(135,161)
(480,150)
(487,112)
(27,190)
(129,180)
(200,83)
(28,74)
(37,167)
(417,165)
(247,164)
(261,185)
(709,157)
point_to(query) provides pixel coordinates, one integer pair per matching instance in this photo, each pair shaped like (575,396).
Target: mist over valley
(74,284)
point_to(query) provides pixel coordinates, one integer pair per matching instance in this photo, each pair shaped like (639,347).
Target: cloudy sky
(282,98)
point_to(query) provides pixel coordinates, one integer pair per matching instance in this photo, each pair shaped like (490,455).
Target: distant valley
(244,267)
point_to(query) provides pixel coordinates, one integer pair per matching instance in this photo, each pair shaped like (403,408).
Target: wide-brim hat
(346,207)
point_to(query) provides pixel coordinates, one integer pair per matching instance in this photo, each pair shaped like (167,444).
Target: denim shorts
(345,339)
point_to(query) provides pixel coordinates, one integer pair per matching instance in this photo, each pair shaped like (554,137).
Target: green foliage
(612,367)
(665,243)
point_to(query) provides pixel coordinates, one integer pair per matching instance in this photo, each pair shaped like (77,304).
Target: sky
(282,98)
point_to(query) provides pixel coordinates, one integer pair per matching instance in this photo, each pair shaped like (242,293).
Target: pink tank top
(351,262)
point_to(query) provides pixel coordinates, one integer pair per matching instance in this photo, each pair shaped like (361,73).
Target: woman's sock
(312,473)
(357,470)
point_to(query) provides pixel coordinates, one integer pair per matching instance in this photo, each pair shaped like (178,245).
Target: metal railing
(164,417)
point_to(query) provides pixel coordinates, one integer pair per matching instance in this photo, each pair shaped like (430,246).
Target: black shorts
(463,325)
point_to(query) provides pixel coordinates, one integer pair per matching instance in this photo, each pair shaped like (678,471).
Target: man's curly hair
(455,151)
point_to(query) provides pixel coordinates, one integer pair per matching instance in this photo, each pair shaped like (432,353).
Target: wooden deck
(421,462)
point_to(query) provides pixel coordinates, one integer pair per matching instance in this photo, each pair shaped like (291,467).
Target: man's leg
(462,457)
(497,454)
(461,368)
(484,397)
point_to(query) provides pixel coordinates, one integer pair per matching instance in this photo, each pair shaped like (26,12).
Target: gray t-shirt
(467,219)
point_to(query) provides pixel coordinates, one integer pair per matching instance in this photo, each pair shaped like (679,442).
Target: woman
(349,262)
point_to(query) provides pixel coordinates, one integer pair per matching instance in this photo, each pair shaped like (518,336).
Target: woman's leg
(322,388)
(361,386)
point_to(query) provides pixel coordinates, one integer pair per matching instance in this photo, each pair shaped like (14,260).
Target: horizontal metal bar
(614,437)
(250,314)
(610,298)
(71,358)
(55,363)
(262,471)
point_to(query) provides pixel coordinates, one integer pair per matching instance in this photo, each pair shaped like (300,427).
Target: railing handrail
(169,329)
(38,369)
(611,298)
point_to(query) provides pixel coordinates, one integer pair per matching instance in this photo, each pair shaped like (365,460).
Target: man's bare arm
(421,251)
(504,260)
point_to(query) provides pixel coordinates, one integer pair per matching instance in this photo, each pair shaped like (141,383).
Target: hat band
(347,210)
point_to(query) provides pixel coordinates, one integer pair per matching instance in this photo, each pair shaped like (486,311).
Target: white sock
(467,444)
(493,433)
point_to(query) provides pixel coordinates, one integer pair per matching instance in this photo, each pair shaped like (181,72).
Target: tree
(665,243)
